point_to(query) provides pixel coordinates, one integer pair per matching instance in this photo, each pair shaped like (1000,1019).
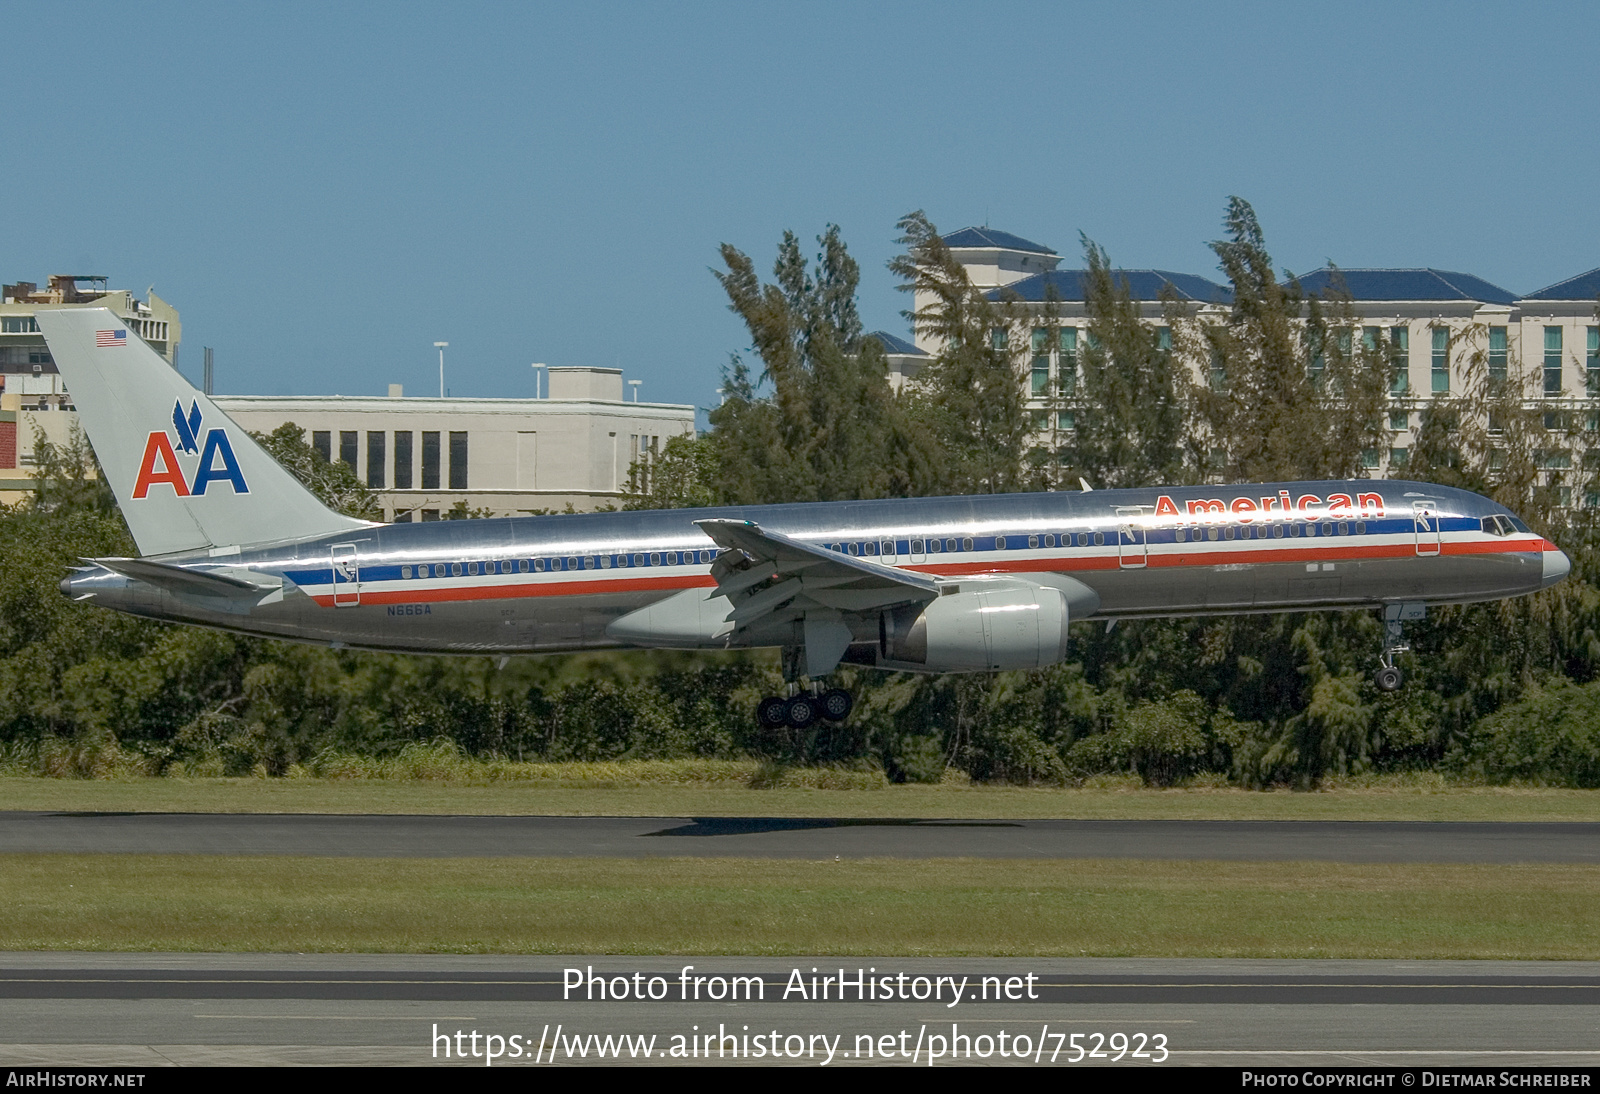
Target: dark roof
(891,344)
(1142,285)
(989,237)
(1419,284)
(1586,286)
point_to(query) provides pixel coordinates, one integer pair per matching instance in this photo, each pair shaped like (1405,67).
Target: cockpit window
(1516,522)
(1491,526)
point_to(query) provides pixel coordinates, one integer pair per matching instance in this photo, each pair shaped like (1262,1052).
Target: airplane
(228,539)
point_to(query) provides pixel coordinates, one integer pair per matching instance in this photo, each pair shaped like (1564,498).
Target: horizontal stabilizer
(177,579)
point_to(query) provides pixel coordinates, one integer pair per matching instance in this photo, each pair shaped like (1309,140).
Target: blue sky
(325,190)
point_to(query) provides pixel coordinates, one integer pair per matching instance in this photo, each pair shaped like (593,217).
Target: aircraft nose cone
(1556,567)
(66,586)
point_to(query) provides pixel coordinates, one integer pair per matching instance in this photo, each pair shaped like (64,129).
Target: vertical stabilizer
(186,476)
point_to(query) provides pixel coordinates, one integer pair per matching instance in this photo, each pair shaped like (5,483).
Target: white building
(501,456)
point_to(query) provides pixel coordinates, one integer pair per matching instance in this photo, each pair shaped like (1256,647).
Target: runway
(758,837)
(164,1009)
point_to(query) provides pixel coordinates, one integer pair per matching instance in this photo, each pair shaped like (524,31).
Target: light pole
(440,347)
(635,385)
(538,377)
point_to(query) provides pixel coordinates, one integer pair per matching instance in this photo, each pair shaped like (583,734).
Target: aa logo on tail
(161,464)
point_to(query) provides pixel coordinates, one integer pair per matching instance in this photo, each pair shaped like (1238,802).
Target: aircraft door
(346,576)
(1425,518)
(1132,551)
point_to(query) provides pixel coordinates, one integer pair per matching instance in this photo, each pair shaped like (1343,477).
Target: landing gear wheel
(772,712)
(1388,678)
(836,704)
(802,712)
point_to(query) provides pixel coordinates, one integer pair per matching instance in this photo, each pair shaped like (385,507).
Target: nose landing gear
(1389,677)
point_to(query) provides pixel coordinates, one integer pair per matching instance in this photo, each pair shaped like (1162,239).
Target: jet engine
(976,627)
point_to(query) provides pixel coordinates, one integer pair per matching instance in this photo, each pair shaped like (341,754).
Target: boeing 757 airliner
(229,539)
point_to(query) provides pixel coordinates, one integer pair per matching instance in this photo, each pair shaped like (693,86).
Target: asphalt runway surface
(153,1010)
(758,837)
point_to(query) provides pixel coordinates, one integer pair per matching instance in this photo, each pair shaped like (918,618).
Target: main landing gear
(804,711)
(799,710)
(1389,677)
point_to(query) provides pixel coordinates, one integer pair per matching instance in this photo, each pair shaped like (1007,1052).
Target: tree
(970,395)
(831,429)
(1131,404)
(1288,392)
(335,484)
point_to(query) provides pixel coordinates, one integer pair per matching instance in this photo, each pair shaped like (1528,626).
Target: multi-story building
(497,456)
(33,401)
(1437,326)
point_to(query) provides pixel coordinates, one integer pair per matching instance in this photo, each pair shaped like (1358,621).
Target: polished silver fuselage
(555,583)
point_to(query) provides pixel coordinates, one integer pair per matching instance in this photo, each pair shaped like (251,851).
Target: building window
(1219,371)
(1441,360)
(458,460)
(430,514)
(1399,360)
(1397,458)
(1369,458)
(1591,361)
(1164,339)
(1399,419)
(1497,459)
(1039,378)
(322,442)
(1041,420)
(1369,338)
(1552,360)
(403,518)
(18,324)
(997,338)
(402,459)
(430,462)
(1041,341)
(1064,420)
(347,448)
(1067,367)
(376,452)
(1497,355)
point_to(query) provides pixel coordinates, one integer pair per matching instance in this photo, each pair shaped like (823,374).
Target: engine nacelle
(978,628)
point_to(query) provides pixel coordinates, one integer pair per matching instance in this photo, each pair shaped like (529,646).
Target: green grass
(705,789)
(738,906)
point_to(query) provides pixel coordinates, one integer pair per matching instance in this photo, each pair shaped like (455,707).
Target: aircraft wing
(773,580)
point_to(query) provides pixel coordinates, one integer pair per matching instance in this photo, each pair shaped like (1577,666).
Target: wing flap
(774,581)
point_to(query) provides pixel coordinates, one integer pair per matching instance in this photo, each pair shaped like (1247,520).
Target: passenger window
(472,568)
(1050,541)
(522,564)
(588,562)
(1182,535)
(916,547)
(966,544)
(1033,542)
(455,569)
(655,558)
(1277,531)
(1361,527)
(1344,528)
(1099,539)
(1228,532)
(405,571)
(572,563)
